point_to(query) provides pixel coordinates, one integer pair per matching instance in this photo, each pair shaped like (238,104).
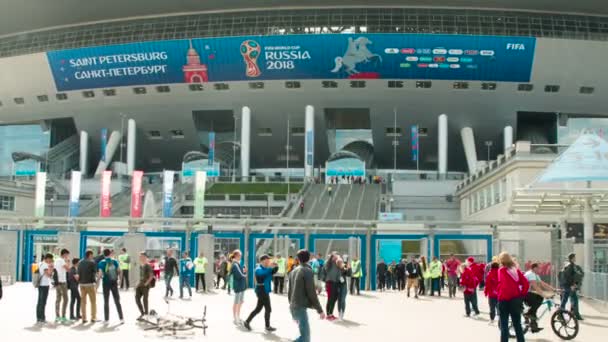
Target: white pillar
(309,142)
(84,152)
(245,140)
(111,147)
(131,141)
(588,236)
(508,137)
(442,153)
(468,140)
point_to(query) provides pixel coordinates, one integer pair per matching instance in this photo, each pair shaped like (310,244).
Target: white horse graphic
(357,52)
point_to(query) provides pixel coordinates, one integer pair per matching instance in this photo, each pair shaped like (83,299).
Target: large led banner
(292,57)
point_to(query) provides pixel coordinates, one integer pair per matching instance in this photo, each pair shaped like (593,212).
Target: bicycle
(563,322)
(174,323)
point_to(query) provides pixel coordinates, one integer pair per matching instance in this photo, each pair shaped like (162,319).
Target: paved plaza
(389,316)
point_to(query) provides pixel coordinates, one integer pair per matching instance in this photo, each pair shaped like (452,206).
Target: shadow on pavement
(348,323)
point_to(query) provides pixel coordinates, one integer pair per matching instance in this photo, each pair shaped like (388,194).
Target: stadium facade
(372,78)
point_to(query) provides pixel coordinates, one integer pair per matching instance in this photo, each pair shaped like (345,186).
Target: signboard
(577,231)
(345,167)
(168,193)
(106,204)
(104,143)
(292,57)
(390,250)
(136,202)
(40,196)
(387,217)
(190,168)
(415,141)
(75,194)
(200,182)
(211,155)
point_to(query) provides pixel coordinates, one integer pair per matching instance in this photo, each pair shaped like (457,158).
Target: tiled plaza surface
(389,316)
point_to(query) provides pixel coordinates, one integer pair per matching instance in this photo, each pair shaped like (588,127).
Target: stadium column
(508,138)
(113,143)
(309,142)
(84,152)
(131,138)
(245,140)
(468,140)
(443,145)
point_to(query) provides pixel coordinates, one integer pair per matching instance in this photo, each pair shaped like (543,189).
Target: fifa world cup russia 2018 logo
(250,50)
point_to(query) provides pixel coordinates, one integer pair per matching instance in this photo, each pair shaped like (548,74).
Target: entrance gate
(37,243)
(350,245)
(403,245)
(481,251)
(268,243)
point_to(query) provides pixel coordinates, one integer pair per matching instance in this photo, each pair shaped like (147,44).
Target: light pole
(395,142)
(234,149)
(122,133)
(489,144)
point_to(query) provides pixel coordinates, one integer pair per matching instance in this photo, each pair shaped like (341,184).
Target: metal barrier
(595,286)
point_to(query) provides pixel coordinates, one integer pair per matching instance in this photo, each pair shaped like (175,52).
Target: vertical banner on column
(136,179)
(168,193)
(104,143)
(75,194)
(40,194)
(211,155)
(106,205)
(200,180)
(415,139)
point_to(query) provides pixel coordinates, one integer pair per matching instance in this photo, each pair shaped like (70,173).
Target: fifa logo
(250,50)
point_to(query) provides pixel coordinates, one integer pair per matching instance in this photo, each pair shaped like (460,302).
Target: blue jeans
(184,280)
(301,316)
(342,297)
(573,296)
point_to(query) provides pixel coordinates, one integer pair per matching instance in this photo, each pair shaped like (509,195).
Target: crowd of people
(304,278)
(506,287)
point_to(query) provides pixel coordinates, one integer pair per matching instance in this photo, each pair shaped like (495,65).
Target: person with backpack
(222,272)
(171,270)
(412,269)
(302,296)
(87,271)
(147,280)
(512,289)
(61,268)
(42,281)
(571,279)
(186,268)
(239,282)
(125,264)
(109,272)
(73,287)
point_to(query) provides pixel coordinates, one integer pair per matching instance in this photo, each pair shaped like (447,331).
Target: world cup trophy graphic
(250,50)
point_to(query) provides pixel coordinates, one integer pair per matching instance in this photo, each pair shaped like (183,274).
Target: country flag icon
(453,59)
(408,51)
(411,59)
(433,65)
(439,59)
(486,52)
(391,51)
(405,65)
(455,66)
(440,51)
(423,65)
(471,52)
(455,52)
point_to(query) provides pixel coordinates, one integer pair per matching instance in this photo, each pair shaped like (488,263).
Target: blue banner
(310,142)
(104,143)
(291,57)
(211,155)
(390,250)
(387,217)
(415,141)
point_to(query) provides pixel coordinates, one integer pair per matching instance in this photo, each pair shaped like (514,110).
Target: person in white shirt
(535,297)
(62,266)
(45,273)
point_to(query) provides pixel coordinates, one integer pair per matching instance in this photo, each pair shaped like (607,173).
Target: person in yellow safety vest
(200,265)
(279,277)
(124,262)
(357,273)
(426,276)
(435,270)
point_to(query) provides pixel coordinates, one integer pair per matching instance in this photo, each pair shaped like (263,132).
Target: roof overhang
(558,201)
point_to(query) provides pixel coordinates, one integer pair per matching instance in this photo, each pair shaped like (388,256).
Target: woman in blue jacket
(263,278)
(239,285)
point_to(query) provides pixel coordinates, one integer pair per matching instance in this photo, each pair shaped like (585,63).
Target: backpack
(36,278)
(578,274)
(111,273)
(153,282)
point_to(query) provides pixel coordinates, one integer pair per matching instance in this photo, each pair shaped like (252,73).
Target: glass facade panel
(21,138)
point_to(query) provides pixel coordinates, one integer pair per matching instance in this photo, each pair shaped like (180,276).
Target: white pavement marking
(368,317)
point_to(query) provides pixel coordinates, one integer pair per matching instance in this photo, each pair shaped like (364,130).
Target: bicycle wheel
(564,324)
(525,326)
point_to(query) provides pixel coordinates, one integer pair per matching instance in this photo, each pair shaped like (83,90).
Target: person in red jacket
(469,281)
(491,290)
(512,288)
